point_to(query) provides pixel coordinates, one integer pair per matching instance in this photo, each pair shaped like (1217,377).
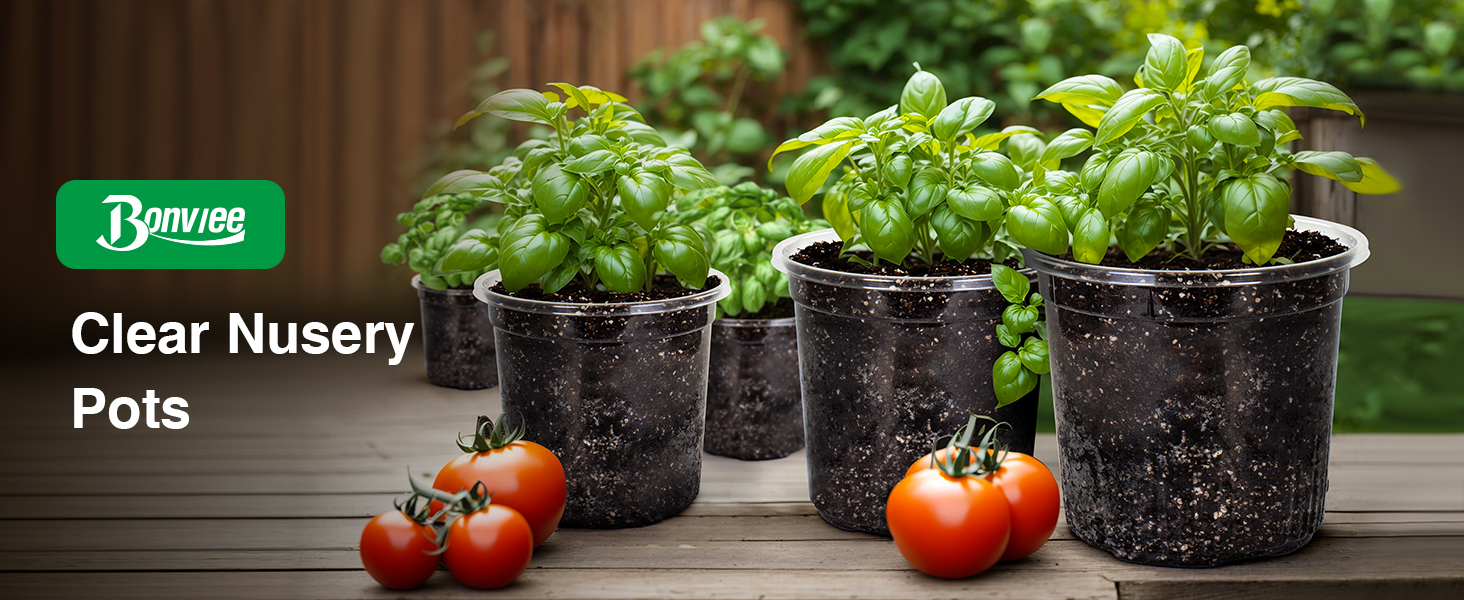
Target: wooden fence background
(332,99)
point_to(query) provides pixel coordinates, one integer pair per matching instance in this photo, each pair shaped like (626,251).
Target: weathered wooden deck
(265,493)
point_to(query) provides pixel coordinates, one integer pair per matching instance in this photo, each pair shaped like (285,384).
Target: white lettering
(398,344)
(78,397)
(118,403)
(310,334)
(237,326)
(236,220)
(173,343)
(345,332)
(76,334)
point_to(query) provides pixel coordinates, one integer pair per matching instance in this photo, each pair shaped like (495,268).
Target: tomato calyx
(454,506)
(488,436)
(961,460)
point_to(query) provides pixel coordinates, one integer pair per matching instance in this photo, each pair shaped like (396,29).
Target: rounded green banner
(163,224)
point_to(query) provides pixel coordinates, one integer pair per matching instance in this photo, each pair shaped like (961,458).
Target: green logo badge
(160,224)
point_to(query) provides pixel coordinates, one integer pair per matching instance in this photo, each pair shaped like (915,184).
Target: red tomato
(948,526)
(489,548)
(394,551)
(1032,493)
(522,475)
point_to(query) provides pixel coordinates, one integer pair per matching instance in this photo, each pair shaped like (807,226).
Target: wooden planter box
(1417,249)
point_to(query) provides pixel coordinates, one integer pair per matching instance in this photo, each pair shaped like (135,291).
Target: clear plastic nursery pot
(457,338)
(618,391)
(1194,408)
(754,411)
(889,364)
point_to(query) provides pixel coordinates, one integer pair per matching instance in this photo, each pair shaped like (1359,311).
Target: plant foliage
(741,225)
(700,94)
(587,202)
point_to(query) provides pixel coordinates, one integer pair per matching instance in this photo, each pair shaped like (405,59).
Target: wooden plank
(562,583)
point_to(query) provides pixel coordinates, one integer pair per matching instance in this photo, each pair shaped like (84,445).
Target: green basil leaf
(809,171)
(1227,71)
(516,105)
(976,202)
(887,229)
(1374,179)
(474,252)
(1199,138)
(1236,129)
(596,161)
(1011,379)
(586,144)
(527,258)
(1165,65)
(1072,209)
(1127,111)
(996,170)
(838,128)
(1332,165)
(957,236)
(1019,318)
(1143,230)
(1094,171)
(1256,214)
(1013,285)
(836,211)
(927,189)
(1068,144)
(621,268)
(1026,149)
(687,173)
(897,170)
(1083,90)
(558,194)
(961,117)
(1129,175)
(1296,91)
(924,95)
(477,183)
(642,195)
(1038,225)
(754,295)
(732,304)
(1033,355)
(1090,237)
(1062,182)
(559,276)
(1007,337)
(681,253)
(775,231)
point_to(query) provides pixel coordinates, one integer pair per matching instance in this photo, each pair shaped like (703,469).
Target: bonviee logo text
(170,224)
(156,221)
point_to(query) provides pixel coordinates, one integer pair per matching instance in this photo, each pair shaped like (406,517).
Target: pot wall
(1194,408)
(888,365)
(754,407)
(457,339)
(616,391)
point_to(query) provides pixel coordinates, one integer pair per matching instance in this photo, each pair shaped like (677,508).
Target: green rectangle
(162,224)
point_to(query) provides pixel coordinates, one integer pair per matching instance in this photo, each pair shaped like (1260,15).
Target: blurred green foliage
(1391,44)
(702,95)
(484,142)
(1400,368)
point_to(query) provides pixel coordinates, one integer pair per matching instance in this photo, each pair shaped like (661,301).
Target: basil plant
(743,223)
(1185,160)
(918,184)
(434,225)
(587,202)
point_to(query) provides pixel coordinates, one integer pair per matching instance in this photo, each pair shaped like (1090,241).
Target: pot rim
(1357,252)
(417,284)
(782,261)
(602,309)
(779,322)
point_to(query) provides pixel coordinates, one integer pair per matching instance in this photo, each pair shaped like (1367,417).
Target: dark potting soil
(884,374)
(620,399)
(1194,422)
(665,287)
(754,407)
(1296,246)
(457,339)
(828,255)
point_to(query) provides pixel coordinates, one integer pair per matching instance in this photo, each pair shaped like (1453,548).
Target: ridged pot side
(754,405)
(887,366)
(617,392)
(457,339)
(1193,411)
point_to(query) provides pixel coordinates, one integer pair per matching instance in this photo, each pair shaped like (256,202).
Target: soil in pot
(754,406)
(457,339)
(619,396)
(1194,418)
(885,372)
